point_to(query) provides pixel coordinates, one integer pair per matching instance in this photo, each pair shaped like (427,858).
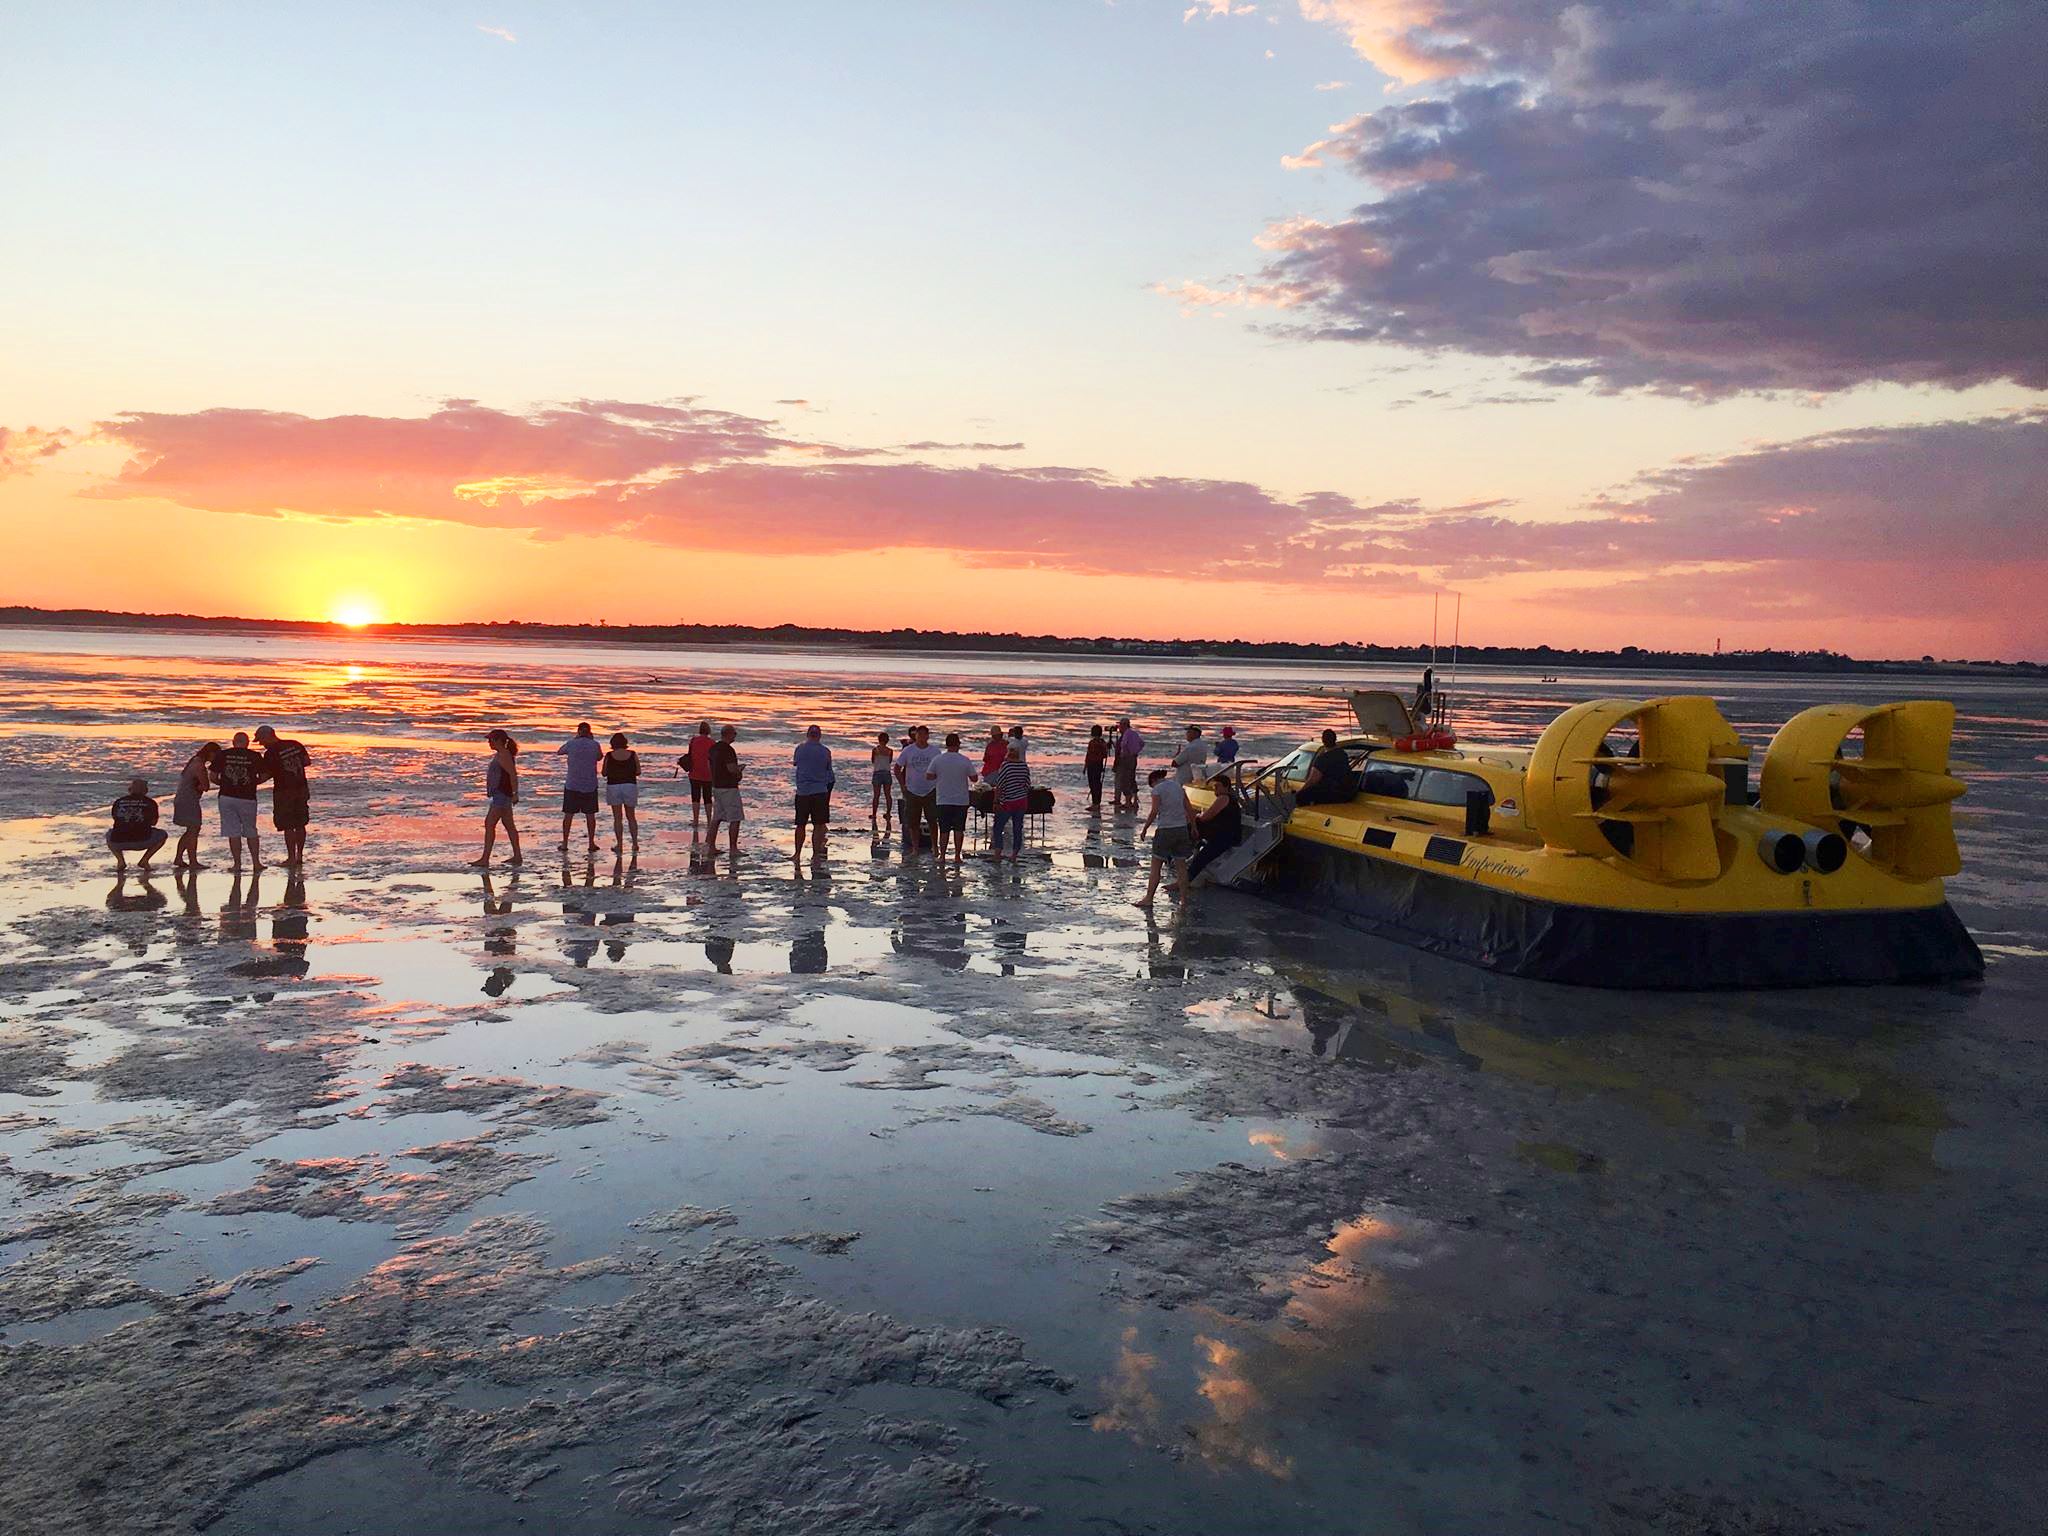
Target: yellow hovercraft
(1626,849)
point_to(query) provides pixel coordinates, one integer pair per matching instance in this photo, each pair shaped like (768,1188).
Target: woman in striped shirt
(1013,799)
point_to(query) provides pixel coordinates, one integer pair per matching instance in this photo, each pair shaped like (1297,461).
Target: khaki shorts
(725,805)
(1170,843)
(237,817)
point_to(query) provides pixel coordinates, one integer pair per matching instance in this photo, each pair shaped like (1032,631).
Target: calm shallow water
(1281,1228)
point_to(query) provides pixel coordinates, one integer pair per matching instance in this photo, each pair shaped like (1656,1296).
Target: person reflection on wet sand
(238,912)
(623,877)
(187,883)
(719,952)
(807,954)
(579,949)
(144,898)
(290,929)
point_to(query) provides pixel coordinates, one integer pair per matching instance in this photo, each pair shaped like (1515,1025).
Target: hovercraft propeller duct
(1899,789)
(1655,808)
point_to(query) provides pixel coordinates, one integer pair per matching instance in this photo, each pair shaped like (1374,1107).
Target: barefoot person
(1129,744)
(994,753)
(501,794)
(622,792)
(726,806)
(696,764)
(135,829)
(290,795)
(1096,760)
(1173,841)
(579,785)
(952,773)
(812,761)
(188,804)
(237,774)
(880,802)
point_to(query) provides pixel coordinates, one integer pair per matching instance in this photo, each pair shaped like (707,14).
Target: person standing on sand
(726,807)
(238,773)
(188,804)
(290,794)
(696,763)
(1226,749)
(135,829)
(1013,799)
(994,754)
(501,794)
(579,785)
(1174,841)
(880,802)
(1097,758)
(622,791)
(914,773)
(952,773)
(1187,762)
(815,779)
(1129,744)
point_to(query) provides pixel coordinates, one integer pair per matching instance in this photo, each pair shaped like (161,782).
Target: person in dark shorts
(914,773)
(135,829)
(1173,842)
(290,795)
(1096,760)
(238,773)
(695,764)
(579,784)
(1220,827)
(952,774)
(814,780)
(622,791)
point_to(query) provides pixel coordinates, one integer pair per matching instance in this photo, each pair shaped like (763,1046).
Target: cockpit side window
(1441,786)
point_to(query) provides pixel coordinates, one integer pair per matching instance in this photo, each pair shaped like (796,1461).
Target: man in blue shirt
(579,786)
(814,781)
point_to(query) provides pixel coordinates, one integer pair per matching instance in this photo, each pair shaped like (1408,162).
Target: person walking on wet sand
(188,803)
(812,761)
(290,795)
(696,764)
(621,767)
(238,773)
(135,829)
(1174,842)
(726,807)
(880,802)
(501,794)
(1096,760)
(579,786)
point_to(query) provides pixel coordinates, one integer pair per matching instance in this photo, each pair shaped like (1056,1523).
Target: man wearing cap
(290,795)
(814,781)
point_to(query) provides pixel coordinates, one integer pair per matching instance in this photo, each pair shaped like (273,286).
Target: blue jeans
(1015,821)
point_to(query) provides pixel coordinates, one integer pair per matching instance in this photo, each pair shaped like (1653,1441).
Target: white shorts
(622,794)
(237,817)
(725,805)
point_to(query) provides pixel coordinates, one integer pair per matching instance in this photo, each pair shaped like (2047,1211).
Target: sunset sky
(1631,320)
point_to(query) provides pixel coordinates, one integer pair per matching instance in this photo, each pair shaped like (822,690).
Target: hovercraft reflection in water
(1626,848)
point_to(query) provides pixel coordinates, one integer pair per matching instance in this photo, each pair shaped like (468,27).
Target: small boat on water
(1626,848)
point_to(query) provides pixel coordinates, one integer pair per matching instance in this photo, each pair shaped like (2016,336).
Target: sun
(355,612)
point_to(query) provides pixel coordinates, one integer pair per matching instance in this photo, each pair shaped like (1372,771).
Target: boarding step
(1259,840)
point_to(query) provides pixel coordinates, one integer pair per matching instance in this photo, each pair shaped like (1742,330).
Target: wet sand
(632,1199)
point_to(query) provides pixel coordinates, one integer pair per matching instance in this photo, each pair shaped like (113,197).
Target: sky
(1631,321)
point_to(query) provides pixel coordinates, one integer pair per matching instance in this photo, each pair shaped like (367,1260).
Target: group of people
(928,789)
(232,774)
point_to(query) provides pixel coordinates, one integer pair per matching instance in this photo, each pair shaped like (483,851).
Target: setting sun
(355,612)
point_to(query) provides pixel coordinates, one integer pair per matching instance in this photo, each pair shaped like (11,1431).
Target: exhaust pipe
(1824,852)
(1785,852)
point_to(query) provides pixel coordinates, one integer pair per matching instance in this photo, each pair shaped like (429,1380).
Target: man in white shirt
(913,772)
(1190,757)
(952,773)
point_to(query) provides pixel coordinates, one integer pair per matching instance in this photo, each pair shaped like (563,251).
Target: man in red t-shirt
(696,764)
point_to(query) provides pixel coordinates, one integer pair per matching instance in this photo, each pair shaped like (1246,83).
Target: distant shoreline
(1102,648)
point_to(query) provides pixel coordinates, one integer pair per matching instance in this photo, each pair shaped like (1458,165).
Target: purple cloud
(1702,199)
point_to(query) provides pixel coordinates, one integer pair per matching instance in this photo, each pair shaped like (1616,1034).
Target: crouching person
(135,829)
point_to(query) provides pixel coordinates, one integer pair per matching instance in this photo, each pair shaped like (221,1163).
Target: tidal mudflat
(628,1199)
